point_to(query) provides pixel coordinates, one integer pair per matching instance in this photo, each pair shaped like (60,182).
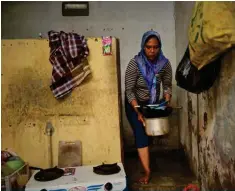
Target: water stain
(26,90)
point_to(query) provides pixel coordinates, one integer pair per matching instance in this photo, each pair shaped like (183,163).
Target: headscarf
(150,69)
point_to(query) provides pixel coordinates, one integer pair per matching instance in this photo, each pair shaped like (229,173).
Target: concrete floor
(170,171)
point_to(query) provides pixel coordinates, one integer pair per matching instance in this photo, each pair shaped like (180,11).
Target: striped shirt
(135,84)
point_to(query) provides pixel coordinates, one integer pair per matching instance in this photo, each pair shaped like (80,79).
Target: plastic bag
(193,80)
(107,45)
(211,31)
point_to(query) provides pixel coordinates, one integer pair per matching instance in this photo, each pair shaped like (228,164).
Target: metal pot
(157,126)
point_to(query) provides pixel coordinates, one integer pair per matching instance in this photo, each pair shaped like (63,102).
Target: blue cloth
(141,138)
(150,69)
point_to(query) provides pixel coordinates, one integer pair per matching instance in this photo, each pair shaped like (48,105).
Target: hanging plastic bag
(193,80)
(211,31)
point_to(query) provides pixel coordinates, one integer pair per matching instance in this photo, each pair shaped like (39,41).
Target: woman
(144,75)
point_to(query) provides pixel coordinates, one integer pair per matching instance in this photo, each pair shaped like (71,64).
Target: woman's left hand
(168,99)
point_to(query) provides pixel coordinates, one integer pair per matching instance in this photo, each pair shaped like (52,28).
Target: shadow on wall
(122,133)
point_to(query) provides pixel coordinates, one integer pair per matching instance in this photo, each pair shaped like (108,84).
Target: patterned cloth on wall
(68,53)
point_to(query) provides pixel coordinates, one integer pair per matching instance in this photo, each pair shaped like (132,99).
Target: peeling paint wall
(90,114)
(207,122)
(125,20)
(217,132)
(192,125)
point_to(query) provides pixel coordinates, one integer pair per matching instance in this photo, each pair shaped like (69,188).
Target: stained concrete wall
(125,20)
(207,121)
(217,133)
(28,104)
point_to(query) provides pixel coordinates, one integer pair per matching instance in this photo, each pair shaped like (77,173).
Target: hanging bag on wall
(193,80)
(211,31)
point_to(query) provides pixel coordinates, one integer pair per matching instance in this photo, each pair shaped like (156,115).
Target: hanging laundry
(68,56)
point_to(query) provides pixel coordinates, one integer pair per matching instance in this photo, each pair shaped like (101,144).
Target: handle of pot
(177,107)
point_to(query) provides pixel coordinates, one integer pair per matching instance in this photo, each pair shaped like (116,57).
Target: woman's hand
(168,99)
(141,118)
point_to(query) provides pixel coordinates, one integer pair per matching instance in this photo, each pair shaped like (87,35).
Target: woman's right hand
(141,118)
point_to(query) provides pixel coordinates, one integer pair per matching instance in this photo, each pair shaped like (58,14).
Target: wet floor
(170,171)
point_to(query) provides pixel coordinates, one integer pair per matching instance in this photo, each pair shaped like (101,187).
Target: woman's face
(152,48)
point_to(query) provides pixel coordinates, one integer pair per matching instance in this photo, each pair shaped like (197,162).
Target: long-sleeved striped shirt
(135,84)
